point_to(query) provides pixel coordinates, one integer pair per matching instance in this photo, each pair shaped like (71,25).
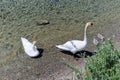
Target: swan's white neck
(34,47)
(85,36)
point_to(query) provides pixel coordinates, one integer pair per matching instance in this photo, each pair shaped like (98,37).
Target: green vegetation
(105,65)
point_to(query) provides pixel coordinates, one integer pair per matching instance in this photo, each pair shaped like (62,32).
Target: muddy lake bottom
(64,25)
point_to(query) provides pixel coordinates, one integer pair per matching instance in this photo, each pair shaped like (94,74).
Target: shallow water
(67,19)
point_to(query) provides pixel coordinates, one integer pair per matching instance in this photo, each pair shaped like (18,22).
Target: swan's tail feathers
(62,47)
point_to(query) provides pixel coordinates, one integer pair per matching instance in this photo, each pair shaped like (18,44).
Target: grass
(105,65)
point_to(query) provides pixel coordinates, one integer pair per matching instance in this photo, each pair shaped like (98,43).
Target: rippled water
(67,19)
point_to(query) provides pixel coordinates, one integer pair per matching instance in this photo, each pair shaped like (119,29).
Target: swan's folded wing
(28,46)
(69,44)
(62,47)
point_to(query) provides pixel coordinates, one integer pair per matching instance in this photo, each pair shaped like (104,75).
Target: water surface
(67,20)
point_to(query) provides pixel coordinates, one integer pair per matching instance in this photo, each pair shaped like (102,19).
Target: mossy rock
(42,22)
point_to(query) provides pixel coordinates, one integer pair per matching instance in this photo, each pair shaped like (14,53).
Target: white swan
(30,48)
(75,45)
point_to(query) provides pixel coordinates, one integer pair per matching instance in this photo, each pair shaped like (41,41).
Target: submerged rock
(42,22)
(8,46)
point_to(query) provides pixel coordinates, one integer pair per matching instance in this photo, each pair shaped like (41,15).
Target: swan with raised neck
(75,45)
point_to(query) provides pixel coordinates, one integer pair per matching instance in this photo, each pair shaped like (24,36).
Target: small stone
(9,33)
(8,46)
(100,36)
(42,22)
(76,21)
(95,42)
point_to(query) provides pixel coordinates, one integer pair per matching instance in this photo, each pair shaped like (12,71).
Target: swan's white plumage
(29,48)
(72,46)
(75,45)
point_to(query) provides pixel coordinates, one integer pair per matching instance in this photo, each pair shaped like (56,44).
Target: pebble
(42,22)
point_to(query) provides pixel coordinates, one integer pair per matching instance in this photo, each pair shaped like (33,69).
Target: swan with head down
(75,45)
(30,48)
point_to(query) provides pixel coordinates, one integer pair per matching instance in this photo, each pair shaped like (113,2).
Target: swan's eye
(91,24)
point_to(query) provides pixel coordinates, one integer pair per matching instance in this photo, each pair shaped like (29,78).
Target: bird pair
(72,46)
